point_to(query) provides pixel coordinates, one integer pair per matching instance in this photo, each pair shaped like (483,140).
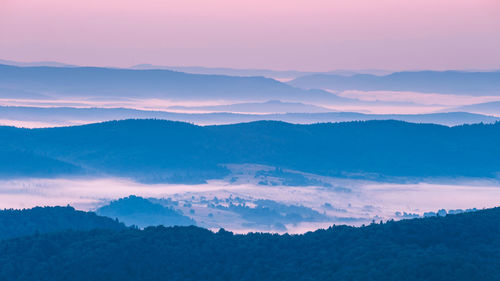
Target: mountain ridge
(59,116)
(166,151)
(113,82)
(445,82)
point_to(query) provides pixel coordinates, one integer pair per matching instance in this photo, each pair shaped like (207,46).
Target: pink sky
(278,34)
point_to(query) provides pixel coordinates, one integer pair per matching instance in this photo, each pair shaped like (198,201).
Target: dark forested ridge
(154,150)
(456,247)
(17,223)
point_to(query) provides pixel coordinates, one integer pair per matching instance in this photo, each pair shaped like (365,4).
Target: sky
(308,35)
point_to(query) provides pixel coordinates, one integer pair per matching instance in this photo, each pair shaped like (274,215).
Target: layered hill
(446,82)
(165,151)
(95,82)
(64,116)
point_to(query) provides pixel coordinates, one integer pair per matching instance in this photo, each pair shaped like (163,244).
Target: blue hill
(447,82)
(165,151)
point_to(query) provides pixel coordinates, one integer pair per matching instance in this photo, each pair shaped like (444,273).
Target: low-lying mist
(352,202)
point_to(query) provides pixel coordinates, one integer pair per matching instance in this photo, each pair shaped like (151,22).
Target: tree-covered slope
(17,223)
(154,150)
(455,247)
(138,211)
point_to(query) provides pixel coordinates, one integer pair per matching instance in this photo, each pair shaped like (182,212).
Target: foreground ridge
(456,247)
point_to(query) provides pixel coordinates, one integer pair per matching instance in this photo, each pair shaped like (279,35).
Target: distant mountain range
(6,93)
(290,74)
(164,151)
(275,74)
(37,63)
(445,82)
(61,116)
(492,108)
(272,106)
(471,82)
(93,82)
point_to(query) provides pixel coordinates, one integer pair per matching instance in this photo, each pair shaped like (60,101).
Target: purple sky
(312,35)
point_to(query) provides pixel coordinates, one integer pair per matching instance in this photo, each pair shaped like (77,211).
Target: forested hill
(456,247)
(17,223)
(155,150)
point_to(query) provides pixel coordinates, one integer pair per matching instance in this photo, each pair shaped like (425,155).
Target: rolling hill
(65,116)
(40,220)
(92,82)
(165,151)
(141,212)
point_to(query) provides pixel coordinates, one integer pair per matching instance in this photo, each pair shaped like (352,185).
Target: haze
(313,35)
(365,201)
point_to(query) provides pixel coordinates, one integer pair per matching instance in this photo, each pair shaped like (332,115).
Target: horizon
(303,35)
(47,63)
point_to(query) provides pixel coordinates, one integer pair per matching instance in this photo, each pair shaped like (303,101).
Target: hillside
(141,212)
(18,223)
(165,151)
(456,247)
